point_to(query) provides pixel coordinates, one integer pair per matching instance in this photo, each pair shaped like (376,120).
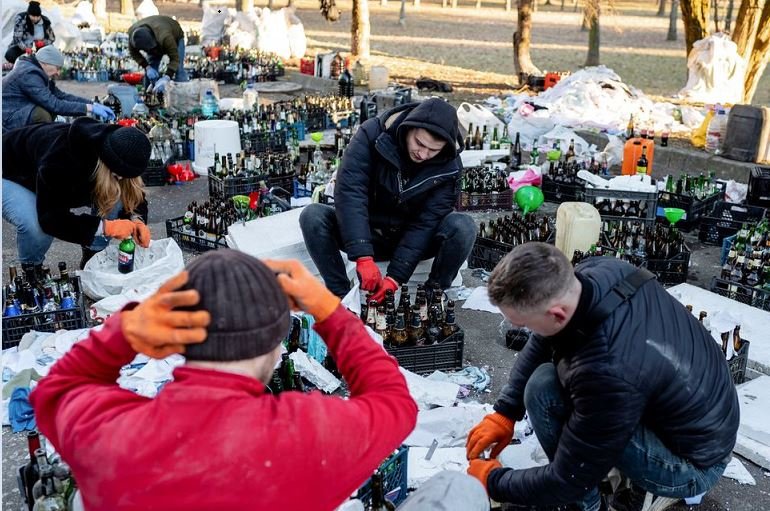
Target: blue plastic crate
(299,190)
(394,482)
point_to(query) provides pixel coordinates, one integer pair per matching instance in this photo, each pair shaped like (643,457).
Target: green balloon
(529,198)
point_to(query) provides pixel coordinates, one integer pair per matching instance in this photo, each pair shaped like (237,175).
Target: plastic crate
(233,185)
(694,209)
(92,76)
(562,192)
(191,242)
(671,271)
(725,220)
(739,362)
(758,193)
(299,190)
(486,253)
(316,121)
(446,355)
(155,175)
(394,479)
(15,327)
(285,182)
(494,201)
(650,199)
(754,296)
(263,142)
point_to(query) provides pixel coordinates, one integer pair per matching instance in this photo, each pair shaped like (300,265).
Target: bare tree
(672,21)
(716,15)
(729,15)
(695,15)
(402,14)
(591,12)
(662,8)
(127,7)
(360,30)
(752,35)
(246,5)
(522,61)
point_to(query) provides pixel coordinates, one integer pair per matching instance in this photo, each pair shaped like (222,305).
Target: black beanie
(33,9)
(126,151)
(143,39)
(249,310)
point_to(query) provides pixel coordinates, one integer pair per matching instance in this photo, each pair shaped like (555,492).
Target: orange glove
(120,229)
(142,234)
(304,291)
(368,273)
(495,428)
(386,284)
(156,330)
(480,469)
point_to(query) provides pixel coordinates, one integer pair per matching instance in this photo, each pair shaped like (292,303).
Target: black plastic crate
(739,362)
(190,241)
(446,355)
(15,327)
(486,253)
(562,192)
(694,209)
(493,201)
(316,121)
(233,185)
(155,174)
(263,142)
(671,271)
(594,196)
(759,187)
(754,296)
(394,479)
(285,182)
(725,220)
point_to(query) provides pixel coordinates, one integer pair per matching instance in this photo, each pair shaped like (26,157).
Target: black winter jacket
(650,363)
(168,32)
(57,162)
(379,187)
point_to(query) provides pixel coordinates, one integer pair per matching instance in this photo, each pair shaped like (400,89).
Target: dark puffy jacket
(379,187)
(26,87)
(57,162)
(650,363)
(168,32)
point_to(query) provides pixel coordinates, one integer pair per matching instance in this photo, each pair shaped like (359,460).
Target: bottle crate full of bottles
(42,303)
(484,189)
(393,472)
(695,195)
(745,275)
(726,220)
(229,178)
(623,205)
(562,190)
(498,237)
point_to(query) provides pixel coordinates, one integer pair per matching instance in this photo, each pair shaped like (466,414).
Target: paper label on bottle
(125,258)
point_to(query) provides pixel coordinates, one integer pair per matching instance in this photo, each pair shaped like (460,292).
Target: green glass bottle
(126,255)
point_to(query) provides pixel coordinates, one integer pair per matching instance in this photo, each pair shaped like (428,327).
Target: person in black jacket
(31,30)
(642,387)
(49,169)
(157,36)
(396,190)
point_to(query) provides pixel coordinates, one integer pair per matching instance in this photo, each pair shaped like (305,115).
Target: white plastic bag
(145,9)
(297,39)
(213,25)
(152,267)
(478,115)
(715,71)
(564,136)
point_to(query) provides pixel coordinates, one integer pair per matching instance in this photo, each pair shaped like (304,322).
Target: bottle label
(124,258)
(641,169)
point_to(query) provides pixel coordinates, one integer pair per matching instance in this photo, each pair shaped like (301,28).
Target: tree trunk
(402,14)
(522,61)
(716,15)
(729,15)
(562,5)
(759,56)
(247,5)
(100,8)
(591,13)
(662,8)
(360,29)
(270,5)
(585,23)
(695,15)
(746,25)
(672,21)
(127,7)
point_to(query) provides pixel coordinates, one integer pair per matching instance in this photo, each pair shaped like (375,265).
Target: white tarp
(716,71)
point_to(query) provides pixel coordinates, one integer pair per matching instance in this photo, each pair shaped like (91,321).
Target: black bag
(743,134)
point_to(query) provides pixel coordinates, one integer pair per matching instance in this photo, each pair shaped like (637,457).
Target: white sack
(716,71)
(213,25)
(84,13)
(296,34)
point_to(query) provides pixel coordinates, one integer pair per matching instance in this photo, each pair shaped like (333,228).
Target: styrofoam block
(754,431)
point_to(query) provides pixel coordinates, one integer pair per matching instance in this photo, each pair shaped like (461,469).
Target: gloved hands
(102,111)
(480,469)
(304,291)
(39,43)
(120,229)
(385,284)
(151,73)
(368,273)
(155,329)
(142,234)
(494,428)
(160,85)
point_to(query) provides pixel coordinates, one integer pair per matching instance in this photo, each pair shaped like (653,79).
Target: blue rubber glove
(160,85)
(151,73)
(102,111)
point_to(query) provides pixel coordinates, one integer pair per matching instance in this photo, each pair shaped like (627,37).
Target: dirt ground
(472,49)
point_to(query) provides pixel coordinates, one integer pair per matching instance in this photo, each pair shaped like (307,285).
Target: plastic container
(209,104)
(446,355)
(725,220)
(175,228)
(214,136)
(715,133)
(577,227)
(759,187)
(378,78)
(394,481)
(743,132)
(632,150)
(250,98)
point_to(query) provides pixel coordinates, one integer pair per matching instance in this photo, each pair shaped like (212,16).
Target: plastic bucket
(211,137)
(378,78)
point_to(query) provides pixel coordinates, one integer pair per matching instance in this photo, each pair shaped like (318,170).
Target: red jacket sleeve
(81,390)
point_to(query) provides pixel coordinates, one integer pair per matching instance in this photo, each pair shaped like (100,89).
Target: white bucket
(378,78)
(214,137)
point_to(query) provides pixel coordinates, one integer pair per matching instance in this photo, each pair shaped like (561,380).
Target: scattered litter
(449,426)
(314,372)
(444,458)
(459,293)
(428,393)
(471,376)
(736,470)
(479,300)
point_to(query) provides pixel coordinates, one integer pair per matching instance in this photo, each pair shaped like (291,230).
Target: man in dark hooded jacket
(396,190)
(157,36)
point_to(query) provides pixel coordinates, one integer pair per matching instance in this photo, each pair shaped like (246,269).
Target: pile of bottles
(480,139)
(724,337)
(430,320)
(645,130)
(94,63)
(621,207)
(48,485)
(268,165)
(316,111)
(484,179)
(636,243)
(36,290)
(236,65)
(748,260)
(210,219)
(517,229)
(699,187)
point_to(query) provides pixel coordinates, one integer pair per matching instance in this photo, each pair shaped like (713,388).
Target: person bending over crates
(617,373)
(396,190)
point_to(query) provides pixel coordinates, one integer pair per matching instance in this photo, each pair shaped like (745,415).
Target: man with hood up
(396,190)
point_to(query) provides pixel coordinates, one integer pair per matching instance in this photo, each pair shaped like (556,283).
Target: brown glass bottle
(416,333)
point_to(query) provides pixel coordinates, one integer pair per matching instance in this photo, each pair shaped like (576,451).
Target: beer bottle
(371,318)
(42,465)
(31,470)
(50,499)
(379,502)
(689,308)
(495,143)
(381,324)
(725,339)
(641,163)
(276,386)
(449,327)
(469,137)
(505,141)
(433,333)
(415,333)
(405,302)
(477,141)
(287,372)
(298,384)
(516,152)
(630,128)
(570,151)
(702,316)
(126,255)
(364,311)
(399,336)
(534,155)
(296,327)
(737,341)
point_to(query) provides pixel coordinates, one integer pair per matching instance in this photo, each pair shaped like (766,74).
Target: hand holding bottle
(120,229)
(151,73)
(160,85)
(305,292)
(385,284)
(142,234)
(155,329)
(368,273)
(102,111)
(494,429)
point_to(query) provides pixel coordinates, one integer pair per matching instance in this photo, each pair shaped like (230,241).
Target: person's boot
(87,254)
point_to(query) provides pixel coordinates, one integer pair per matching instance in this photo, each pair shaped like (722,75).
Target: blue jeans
(181,74)
(646,461)
(451,245)
(20,210)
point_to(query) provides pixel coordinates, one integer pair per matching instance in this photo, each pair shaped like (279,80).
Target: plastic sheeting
(715,71)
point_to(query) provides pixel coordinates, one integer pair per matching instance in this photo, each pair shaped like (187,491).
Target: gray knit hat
(50,55)
(249,310)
